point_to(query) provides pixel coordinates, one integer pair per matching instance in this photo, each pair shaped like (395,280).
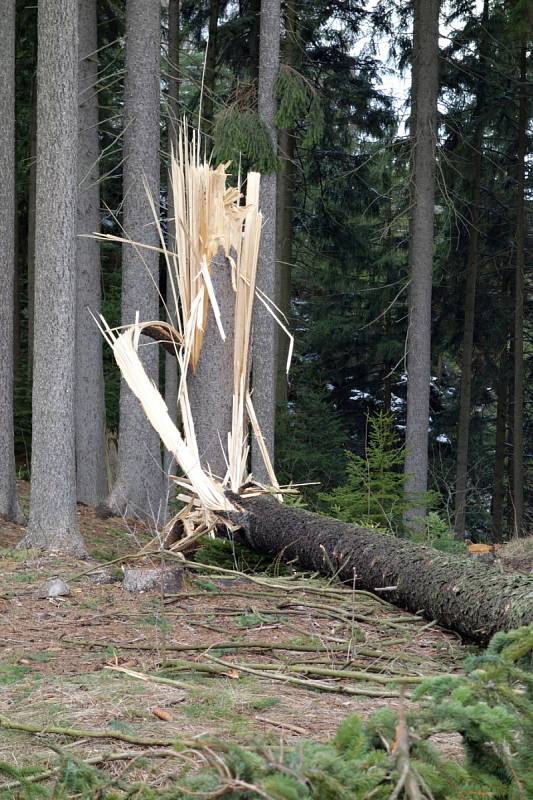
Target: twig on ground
(81,733)
(306,684)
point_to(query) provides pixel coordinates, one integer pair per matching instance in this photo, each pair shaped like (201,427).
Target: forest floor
(249,659)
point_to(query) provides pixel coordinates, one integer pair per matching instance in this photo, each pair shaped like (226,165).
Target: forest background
(344,168)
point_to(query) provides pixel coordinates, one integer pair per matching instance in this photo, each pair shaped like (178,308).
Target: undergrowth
(373,492)
(231,555)
(490,706)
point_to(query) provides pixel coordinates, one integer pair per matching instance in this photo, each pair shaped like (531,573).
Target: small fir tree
(372,494)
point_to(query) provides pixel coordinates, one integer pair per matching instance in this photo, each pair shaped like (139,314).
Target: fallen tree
(474,599)
(217,243)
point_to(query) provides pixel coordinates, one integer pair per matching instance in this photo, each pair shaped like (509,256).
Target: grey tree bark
(264,361)
(53,523)
(90,405)
(498,491)
(210,73)
(139,486)
(31,221)
(285,201)
(171,368)
(518,408)
(424,114)
(211,386)
(467,349)
(8,493)
(476,600)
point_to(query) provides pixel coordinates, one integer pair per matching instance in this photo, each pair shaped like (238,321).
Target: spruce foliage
(241,136)
(373,493)
(310,442)
(299,103)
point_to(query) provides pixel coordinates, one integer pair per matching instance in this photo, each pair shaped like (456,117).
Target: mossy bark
(475,600)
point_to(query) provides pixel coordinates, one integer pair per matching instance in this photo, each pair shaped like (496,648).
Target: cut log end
(167,580)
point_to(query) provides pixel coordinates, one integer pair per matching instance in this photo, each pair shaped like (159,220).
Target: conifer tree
(264,367)
(470,288)
(90,407)
(53,523)
(210,70)
(285,201)
(139,485)
(425,68)
(518,341)
(171,368)
(8,495)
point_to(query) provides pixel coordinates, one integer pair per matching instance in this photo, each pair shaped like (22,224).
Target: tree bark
(518,409)
(470,290)
(90,405)
(139,486)
(171,366)
(473,599)
(498,492)
(53,523)
(388,366)
(264,366)
(16,302)
(210,72)
(174,68)
(31,222)
(211,386)
(284,221)
(424,114)
(9,508)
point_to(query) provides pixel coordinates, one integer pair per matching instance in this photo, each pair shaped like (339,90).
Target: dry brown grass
(46,679)
(517,554)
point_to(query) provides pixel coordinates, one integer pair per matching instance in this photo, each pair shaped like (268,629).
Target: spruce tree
(53,523)
(139,486)
(424,91)
(8,495)
(90,407)
(264,364)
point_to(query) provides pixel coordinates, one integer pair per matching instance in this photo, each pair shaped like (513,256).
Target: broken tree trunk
(211,385)
(476,600)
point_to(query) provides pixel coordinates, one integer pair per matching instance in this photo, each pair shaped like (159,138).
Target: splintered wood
(209,215)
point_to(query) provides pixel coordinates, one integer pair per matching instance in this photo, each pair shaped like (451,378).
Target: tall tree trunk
(139,485)
(53,524)
(171,367)
(211,386)
(470,290)
(474,599)
(16,301)
(210,72)
(518,412)
(498,492)
(285,201)
(388,366)
(264,368)
(387,370)
(90,404)
(425,85)
(284,226)
(8,493)
(509,439)
(31,221)
(174,79)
